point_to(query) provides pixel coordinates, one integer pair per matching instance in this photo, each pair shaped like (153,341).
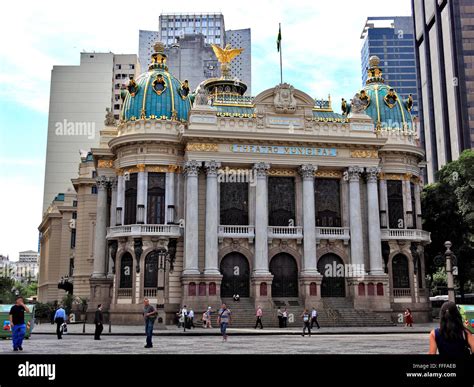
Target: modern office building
(392,40)
(275,197)
(181,34)
(79,97)
(27,265)
(444,33)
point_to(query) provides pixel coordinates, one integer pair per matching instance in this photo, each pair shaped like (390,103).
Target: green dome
(156,94)
(384,105)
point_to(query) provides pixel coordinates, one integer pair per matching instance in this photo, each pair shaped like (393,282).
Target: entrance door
(332,268)
(285,276)
(236,275)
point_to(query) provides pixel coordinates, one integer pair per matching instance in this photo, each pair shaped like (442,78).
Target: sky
(321,55)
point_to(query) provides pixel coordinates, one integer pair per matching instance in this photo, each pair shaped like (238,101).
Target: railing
(402,292)
(285,232)
(405,234)
(333,233)
(236,232)
(169,230)
(124,292)
(150,292)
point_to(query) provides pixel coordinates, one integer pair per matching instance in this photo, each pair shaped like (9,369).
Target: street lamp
(449,271)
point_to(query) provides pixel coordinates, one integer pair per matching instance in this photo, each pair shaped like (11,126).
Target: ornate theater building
(203,195)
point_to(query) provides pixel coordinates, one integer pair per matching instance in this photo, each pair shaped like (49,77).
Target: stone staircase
(337,312)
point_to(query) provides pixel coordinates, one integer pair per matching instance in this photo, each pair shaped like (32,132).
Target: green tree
(448,213)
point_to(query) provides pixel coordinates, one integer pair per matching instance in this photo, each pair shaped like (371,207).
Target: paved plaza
(394,343)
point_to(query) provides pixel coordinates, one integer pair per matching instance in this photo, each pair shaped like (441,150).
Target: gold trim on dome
(105,164)
(282,172)
(328,173)
(202,147)
(364,154)
(159,79)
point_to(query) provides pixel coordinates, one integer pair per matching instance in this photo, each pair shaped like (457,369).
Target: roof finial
(374,71)
(158,58)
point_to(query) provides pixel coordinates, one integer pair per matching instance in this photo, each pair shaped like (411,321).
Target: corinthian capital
(372,174)
(102,182)
(212,167)
(354,173)
(191,168)
(261,169)
(307,171)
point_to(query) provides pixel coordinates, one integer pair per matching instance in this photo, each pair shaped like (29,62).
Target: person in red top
(259,315)
(408,318)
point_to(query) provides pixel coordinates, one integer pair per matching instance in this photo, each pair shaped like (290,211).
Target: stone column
(345,202)
(417,212)
(383,202)
(100,241)
(120,201)
(375,248)
(170,197)
(212,222)
(261,219)
(357,248)
(408,210)
(142,184)
(191,246)
(113,202)
(309,222)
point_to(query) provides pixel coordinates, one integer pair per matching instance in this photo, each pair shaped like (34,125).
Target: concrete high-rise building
(79,98)
(27,265)
(444,33)
(392,40)
(181,35)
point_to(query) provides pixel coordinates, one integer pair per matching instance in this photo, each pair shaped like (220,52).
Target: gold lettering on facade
(364,154)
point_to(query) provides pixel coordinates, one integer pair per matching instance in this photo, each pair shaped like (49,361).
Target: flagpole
(281,62)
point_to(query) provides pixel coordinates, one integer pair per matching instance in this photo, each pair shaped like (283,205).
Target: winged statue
(226,54)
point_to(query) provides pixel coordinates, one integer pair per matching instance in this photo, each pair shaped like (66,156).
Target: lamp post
(449,271)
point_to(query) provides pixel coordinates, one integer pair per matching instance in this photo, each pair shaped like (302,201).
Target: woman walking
(451,338)
(408,318)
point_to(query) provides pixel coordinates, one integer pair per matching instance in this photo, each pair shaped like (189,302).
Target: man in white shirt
(184,317)
(191,318)
(314,318)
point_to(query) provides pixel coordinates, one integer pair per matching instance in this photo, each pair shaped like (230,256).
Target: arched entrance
(285,276)
(400,272)
(235,270)
(331,267)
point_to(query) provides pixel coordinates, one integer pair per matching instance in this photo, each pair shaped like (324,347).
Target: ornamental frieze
(364,154)
(202,147)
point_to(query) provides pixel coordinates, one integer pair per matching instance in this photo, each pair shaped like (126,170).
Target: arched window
(130,216)
(212,289)
(202,288)
(400,272)
(380,289)
(361,288)
(192,289)
(313,289)
(151,270)
(371,289)
(126,270)
(263,289)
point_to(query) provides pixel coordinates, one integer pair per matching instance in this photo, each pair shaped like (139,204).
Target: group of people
(451,338)
(185,318)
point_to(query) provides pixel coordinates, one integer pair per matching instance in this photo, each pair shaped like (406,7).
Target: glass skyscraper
(392,40)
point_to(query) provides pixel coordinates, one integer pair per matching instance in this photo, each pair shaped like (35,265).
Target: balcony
(402,292)
(236,232)
(285,232)
(138,230)
(333,233)
(405,234)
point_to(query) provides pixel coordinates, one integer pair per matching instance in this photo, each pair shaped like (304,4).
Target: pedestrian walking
(259,315)
(99,322)
(208,313)
(280,318)
(285,318)
(452,338)
(149,314)
(60,320)
(17,323)
(191,318)
(408,318)
(314,318)
(184,317)
(306,320)
(224,319)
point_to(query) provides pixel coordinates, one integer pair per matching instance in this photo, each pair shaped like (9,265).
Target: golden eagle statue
(225,56)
